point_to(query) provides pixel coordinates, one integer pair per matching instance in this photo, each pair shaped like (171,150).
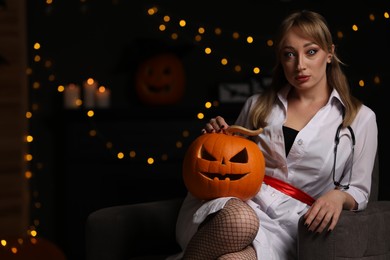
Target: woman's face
(303,61)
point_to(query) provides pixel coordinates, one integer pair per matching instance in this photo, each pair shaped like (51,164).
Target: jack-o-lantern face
(220,165)
(160,80)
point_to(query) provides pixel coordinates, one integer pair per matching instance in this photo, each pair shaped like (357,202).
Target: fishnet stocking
(227,234)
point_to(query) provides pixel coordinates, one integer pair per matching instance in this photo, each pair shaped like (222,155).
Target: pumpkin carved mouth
(155,89)
(232,177)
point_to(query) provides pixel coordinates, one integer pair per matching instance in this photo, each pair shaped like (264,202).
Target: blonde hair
(314,26)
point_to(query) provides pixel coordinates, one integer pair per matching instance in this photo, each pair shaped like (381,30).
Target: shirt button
(273,194)
(300,141)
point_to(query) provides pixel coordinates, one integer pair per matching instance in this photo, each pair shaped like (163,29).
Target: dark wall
(78,173)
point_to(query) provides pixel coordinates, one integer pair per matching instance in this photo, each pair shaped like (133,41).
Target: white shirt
(309,163)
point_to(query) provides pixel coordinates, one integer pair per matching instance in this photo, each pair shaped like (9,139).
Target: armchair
(147,231)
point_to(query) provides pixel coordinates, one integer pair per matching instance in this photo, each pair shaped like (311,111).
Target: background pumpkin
(219,165)
(160,79)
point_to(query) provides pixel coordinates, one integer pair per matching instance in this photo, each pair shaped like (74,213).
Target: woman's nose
(300,63)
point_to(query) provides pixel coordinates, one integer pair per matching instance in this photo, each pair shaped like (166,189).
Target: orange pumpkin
(220,165)
(160,79)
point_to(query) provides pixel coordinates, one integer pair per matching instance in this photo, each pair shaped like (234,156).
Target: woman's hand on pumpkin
(215,125)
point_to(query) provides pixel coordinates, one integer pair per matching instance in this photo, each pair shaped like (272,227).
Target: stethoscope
(338,184)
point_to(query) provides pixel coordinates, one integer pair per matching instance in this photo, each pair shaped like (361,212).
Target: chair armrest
(364,234)
(123,232)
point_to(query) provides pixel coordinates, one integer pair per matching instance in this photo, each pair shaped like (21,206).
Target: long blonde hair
(315,27)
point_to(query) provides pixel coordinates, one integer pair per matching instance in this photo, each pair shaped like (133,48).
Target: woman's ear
(330,54)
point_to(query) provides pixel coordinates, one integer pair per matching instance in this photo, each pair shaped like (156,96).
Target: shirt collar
(282,95)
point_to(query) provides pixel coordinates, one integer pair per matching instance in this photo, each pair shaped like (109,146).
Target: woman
(307,105)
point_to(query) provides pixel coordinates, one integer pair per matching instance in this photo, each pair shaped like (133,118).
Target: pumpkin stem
(242,130)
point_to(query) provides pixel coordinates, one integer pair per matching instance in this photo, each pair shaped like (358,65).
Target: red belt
(289,190)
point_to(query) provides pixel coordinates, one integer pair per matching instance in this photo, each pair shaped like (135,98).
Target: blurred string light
(196,32)
(204,37)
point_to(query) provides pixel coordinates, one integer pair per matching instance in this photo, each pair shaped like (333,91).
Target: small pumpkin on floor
(223,165)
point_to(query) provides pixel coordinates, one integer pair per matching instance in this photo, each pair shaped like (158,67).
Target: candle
(71,96)
(103,97)
(90,86)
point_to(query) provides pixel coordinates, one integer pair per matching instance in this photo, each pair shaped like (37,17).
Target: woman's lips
(302,78)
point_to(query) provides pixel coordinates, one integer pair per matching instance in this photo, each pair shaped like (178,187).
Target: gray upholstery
(147,231)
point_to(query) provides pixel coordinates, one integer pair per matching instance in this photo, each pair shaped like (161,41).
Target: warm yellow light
(152,11)
(270,43)
(37,58)
(361,83)
(186,133)
(174,36)
(377,80)
(207,50)
(166,18)
(48,64)
(218,31)
(386,15)
(28,174)
(132,154)
(90,113)
(207,104)
(224,61)
(371,17)
(198,38)
(236,35)
(92,133)
(14,250)
(120,155)
(162,27)
(182,23)
(200,115)
(28,114)
(37,46)
(237,68)
(28,157)
(29,138)
(249,39)
(355,27)
(201,30)
(256,70)
(60,88)
(90,81)
(3,242)
(36,85)
(340,34)
(150,160)
(33,233)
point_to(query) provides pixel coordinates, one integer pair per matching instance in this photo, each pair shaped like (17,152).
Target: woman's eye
(289,54)
(312,52)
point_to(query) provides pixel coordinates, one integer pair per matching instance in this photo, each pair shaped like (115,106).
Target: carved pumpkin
(221,165)
(160,80)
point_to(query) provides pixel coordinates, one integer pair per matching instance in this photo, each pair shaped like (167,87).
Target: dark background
(76,173)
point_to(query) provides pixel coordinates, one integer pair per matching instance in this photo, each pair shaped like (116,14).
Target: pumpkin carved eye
(167,71)
(204,154)
(241,157)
